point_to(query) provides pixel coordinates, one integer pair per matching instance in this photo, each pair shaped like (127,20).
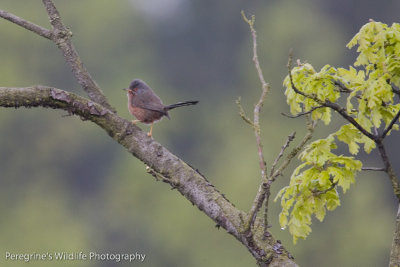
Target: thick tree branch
(395,251)
(162,163)
(54,15)
(26,24)
(388,168)
(62,38)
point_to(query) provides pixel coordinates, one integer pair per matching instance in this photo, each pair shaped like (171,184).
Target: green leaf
(349,135)
(323,179)
(326,116)
(283,220)
(332,201)
(376,117)
(368,144)
(319,209)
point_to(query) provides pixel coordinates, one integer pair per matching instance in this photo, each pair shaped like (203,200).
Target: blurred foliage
(66,186)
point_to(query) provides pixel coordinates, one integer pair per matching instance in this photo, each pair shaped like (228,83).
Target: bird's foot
(150,134)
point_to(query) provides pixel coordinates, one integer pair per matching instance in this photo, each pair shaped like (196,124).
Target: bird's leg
(151,130)
(135,121)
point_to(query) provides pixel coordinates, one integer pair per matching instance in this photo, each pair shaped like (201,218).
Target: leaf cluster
(368,88)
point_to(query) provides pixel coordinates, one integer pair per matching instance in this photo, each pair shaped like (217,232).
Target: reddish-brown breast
(144,115)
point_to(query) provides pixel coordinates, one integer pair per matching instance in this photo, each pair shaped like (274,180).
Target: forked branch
(264,186)
(61,36)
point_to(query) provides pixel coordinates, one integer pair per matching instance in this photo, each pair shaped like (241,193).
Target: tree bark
(395,252)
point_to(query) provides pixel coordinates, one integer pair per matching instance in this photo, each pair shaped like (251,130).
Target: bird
(146,106)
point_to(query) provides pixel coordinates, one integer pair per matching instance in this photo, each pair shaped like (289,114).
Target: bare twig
(242,113)
(26,24)
(54,15)
(390,126)
(255,56)
(388,168)
(342,87)
(286,145)
(264,185)
(373,169)
(310,130)
(320,192)
(302,113)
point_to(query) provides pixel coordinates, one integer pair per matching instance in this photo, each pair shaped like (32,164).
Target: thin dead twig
(26,24)
(286,145)
(264,185)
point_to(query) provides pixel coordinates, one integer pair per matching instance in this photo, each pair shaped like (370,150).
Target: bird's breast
(145,115)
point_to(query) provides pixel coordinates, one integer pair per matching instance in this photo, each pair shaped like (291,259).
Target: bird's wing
(149,101)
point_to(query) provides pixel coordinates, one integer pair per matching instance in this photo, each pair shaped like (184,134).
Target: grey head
(139,85)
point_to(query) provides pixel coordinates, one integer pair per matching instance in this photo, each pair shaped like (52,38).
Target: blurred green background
(66,186)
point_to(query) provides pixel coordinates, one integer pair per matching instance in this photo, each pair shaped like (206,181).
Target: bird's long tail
(181,104)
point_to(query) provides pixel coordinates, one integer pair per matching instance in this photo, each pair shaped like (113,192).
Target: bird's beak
(125,89)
